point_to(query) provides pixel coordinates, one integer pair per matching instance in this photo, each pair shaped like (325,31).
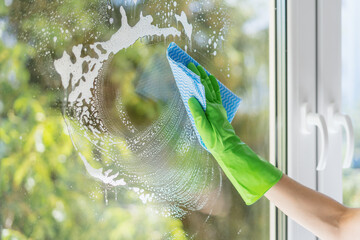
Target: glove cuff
(251,175)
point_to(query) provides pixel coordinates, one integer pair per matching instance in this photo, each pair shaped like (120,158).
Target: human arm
(253,177)
(321,215)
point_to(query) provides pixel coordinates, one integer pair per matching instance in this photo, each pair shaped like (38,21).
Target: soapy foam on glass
(158,162)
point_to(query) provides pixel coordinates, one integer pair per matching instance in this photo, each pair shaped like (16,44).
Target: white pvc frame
(313,84)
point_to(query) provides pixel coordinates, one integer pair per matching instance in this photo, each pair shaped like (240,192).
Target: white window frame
(305,69)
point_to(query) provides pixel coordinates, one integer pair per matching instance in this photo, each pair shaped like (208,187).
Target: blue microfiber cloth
(190,86)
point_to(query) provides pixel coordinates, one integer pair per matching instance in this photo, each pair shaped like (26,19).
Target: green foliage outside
(45,192)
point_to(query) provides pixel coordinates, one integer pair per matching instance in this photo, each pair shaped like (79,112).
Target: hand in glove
(251,175)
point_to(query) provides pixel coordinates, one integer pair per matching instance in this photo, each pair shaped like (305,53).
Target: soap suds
(188,28)
(157,162)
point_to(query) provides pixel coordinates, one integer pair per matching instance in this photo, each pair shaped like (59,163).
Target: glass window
(95,142)
(350,94)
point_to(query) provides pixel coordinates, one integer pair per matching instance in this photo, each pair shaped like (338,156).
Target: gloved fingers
(202,71)
(211,90)
(209,93)
(216,88)
(193,68)
(200,119)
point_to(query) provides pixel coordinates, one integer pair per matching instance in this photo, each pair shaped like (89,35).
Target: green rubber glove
(251,175)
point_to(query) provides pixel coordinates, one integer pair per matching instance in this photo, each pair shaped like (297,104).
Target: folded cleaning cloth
(189,85)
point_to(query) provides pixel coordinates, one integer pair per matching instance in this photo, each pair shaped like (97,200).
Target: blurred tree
(44,189)
(43,195)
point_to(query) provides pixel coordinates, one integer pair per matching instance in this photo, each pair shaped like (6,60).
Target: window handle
(310,119)
(336,121)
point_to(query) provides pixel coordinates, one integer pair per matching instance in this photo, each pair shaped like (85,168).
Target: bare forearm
(313,210)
